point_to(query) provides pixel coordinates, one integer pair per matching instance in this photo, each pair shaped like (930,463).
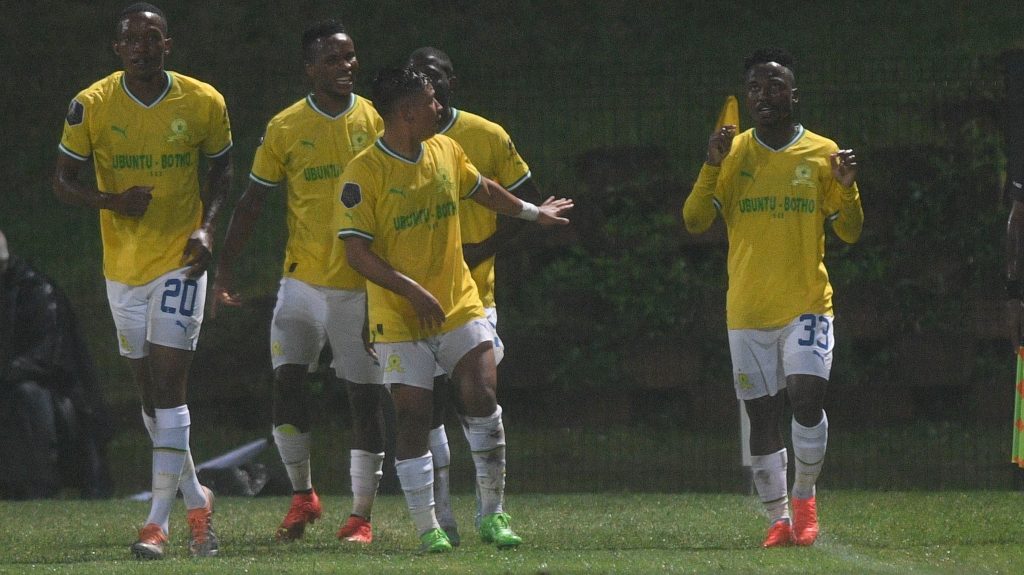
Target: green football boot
(494,528)
(434,541)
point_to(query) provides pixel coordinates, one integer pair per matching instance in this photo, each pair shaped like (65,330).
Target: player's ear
(795,95)
(453,82)
(168,43)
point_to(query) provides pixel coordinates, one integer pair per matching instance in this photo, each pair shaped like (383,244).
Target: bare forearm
(243,221)
(375,269)
(68,189)
(497,199)
(215,188)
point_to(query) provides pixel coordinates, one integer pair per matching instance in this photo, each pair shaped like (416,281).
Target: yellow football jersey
(310,148)
(775,204)
(490,149)
(158,145)
(409,209)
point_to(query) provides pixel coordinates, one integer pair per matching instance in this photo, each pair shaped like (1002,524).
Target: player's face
(771,95)
(142,44)
(440,76)
(424,113)
(335,67)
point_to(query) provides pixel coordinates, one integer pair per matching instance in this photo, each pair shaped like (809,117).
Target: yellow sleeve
(219,139)
(76,140)
(699,209)
(848,219)
(356,215)
(469,176)
(268,163)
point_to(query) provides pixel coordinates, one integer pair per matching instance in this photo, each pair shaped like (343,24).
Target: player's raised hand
(844,167)
(427,308)
(198,253)
(133,202)
(551,211)
(719,144)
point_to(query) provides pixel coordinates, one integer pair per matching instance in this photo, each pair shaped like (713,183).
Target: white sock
(417,478)
(442,455)
(293,446)
(170,446)
(365,469)
(809,445)
(486,436)
(770,480)
(191,490)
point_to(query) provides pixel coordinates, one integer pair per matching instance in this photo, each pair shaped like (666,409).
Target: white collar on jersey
(351,103)
(799,134)
(451,122)
(124,86)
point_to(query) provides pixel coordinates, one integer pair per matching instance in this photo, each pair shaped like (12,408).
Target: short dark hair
(394,84)
(141,7)
(316,32)
(770,54)
(427,52)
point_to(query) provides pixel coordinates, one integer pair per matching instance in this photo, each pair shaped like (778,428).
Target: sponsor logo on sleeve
(76,113)
(351,195)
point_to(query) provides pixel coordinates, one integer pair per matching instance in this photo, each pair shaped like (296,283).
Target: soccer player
(321,298)
(401,231)
(776,185)
(145,128)
(490,149)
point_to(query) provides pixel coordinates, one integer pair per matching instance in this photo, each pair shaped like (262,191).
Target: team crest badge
(351,195)
(76,113)
(359,140)
(803,175)
(179,131)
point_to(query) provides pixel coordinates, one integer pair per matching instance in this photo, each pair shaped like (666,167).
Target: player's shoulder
(193,86)
(442,143)
(814,140)
(470,122)
(99,90)
(295,110)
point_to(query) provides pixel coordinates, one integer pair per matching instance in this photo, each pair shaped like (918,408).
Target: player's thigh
(756,364)
(491,314)
(297,332)
(167,311)
(346,320)
(129,306)
(807,346)
(453,346)
(410,363)
(176,309)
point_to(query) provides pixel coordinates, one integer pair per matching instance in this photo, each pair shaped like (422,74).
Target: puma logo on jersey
(123,132)
(746,174)
(308,143)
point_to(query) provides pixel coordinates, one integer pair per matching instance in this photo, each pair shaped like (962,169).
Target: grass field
(863,532)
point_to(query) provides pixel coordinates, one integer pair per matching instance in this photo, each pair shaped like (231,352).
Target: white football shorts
(307,316)
(762,358)
(415,362)
(167,311)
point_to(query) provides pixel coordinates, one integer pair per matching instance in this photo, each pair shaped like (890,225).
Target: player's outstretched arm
(198,254)
(494,197)
(380,272)
(510,232)
(132,203)
(243,221)
(850,221)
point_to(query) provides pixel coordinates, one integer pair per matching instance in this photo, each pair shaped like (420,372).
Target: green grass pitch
(862,532)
